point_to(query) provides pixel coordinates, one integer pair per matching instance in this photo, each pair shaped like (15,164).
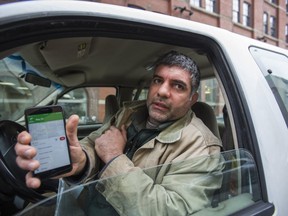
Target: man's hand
(26,153)
(78,157)
(111,144)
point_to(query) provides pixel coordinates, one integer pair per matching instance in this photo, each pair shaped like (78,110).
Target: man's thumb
(71,129)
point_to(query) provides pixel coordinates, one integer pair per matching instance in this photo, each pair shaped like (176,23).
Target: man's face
(169,96)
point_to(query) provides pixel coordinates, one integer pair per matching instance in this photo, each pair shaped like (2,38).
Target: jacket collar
(173,132)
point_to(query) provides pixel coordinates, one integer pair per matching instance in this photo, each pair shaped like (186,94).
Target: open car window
(235,170)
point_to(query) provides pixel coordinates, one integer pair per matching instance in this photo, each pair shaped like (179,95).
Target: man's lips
(160,106)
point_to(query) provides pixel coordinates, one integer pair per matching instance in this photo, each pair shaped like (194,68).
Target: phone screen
(47,128)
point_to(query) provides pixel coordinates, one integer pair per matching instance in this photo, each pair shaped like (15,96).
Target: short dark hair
(174,58)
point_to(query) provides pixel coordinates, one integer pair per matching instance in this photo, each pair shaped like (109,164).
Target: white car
(76,53)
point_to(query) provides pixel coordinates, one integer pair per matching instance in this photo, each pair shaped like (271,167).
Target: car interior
(125,65)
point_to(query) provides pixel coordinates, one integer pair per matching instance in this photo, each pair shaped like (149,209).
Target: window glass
(196,3)
(88,103)
(210,93)
(211,6)
(246,14)
(15,93)
(274,68)
(273,26)
(265,22)
(234,170)
(142,95)
(236,9)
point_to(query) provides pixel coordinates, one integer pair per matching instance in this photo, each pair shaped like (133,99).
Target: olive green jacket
(185,184)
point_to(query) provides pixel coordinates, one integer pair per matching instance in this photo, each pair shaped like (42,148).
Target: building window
(286,33)
(246,14)
(265,22)
(286,6)
(197,3)
(211,6)
(236,11)
(273,1)
(273,26)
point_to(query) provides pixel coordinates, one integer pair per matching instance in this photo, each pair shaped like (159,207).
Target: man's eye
(178,86)
(156,81)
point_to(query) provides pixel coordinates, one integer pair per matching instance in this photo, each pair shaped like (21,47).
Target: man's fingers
(25,151)
(25,164)
(22,147)
(71,130)
(31,181)
(77,155)
(24,138)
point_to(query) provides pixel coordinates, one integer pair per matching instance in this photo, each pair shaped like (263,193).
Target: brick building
(265,20)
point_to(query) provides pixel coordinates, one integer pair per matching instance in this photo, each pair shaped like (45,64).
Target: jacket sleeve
(186,186)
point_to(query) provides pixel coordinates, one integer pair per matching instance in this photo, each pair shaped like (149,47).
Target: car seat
(111,107)
(205,112)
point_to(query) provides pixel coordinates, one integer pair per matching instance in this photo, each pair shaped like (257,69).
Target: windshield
(15,93)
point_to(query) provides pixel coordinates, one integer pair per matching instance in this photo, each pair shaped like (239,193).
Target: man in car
(144,134)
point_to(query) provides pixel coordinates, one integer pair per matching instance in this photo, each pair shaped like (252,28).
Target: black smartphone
(47,127)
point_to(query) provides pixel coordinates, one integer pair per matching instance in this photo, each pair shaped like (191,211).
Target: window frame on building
(273,2)
(246,15)
(236,11)
(273,26)
(196,3)
(265,23)
(211,6)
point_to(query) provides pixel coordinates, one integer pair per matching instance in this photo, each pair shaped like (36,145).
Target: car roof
(108,56)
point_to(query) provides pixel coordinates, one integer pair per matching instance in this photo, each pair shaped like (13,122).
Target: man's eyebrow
(179,82)
(156,76)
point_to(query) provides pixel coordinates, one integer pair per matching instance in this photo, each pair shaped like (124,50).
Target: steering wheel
(12,178)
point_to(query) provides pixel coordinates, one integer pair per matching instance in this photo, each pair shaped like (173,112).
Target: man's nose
(164,90)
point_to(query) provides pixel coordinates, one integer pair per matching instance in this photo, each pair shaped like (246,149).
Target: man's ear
(194,98)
